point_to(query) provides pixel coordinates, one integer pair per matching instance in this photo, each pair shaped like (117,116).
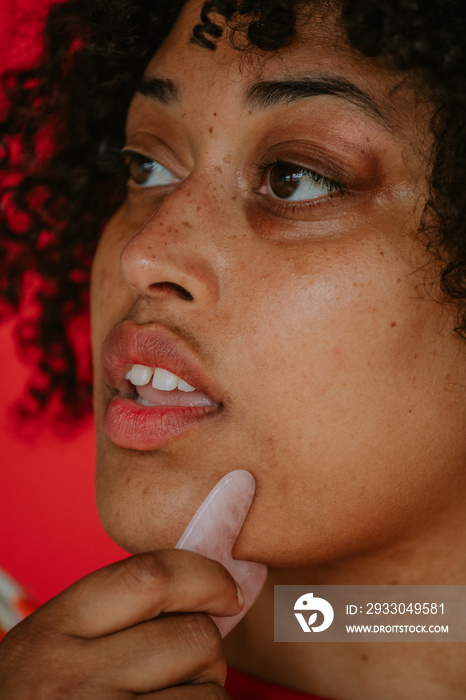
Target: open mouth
(158,389)
(154,386)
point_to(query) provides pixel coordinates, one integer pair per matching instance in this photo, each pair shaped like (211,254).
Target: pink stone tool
(213,531)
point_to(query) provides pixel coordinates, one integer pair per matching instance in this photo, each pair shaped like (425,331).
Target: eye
(146,172)
(293,183)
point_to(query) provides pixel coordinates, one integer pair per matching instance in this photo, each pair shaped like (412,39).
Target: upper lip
(152,345)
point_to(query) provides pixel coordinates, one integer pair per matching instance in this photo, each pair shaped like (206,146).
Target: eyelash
(283,206)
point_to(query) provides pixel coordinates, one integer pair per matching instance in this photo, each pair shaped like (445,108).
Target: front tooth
(184,386)
(164,380)
(139,375)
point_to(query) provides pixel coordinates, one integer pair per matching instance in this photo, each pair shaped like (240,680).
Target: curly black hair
(65,117)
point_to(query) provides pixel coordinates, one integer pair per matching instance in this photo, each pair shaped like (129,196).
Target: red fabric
(242,686)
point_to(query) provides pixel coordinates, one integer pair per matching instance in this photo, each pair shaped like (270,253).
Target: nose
(172,257)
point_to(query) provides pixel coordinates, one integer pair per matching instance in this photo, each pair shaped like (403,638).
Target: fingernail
(239,595)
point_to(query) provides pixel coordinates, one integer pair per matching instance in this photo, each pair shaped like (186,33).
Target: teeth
(139,375)
(184,386)
(162,379)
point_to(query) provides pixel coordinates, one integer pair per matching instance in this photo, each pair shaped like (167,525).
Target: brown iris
(139,167)
(284,179)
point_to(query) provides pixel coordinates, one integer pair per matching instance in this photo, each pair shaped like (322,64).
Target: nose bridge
(174,253)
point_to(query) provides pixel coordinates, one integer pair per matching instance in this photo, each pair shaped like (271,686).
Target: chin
(138,532)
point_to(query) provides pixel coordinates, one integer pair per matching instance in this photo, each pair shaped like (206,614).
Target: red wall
(50,534)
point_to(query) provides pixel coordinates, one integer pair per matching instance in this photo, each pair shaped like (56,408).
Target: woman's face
(266,254)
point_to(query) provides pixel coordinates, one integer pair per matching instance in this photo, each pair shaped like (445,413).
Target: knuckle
(147,572)
(201,634)
(204,634)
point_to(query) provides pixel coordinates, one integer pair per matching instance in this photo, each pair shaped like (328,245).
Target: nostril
(184,294)
(172,287)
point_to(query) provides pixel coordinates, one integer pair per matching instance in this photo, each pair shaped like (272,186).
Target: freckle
(409,410)
(355,284)
(187,224)
(382,253)
(215,114)
(234,197)
(211,129)
(415,355)
(398,280)
(250,112)
(393,324)
(364,657)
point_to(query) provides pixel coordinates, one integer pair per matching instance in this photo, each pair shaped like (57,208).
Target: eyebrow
(267,94)
(159,89)
(272,93)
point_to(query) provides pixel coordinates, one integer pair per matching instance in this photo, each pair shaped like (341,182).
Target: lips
(127,422)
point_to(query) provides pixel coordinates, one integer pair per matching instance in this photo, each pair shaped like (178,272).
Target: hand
(113,635)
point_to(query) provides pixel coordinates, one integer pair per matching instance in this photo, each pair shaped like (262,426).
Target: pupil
(284,180)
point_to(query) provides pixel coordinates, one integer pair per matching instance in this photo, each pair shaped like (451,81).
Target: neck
(361,671)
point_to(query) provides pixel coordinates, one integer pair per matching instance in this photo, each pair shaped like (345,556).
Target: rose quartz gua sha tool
(213,531)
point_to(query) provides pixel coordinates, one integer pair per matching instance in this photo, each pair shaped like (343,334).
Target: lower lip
(136,427)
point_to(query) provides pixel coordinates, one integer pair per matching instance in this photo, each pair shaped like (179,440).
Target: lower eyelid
(292,204)
(147,196)
(141,187)
(300,210)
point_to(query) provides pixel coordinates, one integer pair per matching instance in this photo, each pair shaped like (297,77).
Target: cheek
(342,341)
(108,292)
(338,398)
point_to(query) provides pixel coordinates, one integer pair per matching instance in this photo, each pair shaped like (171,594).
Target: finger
(184,648)
(206,691)
(141,588)
(161,653)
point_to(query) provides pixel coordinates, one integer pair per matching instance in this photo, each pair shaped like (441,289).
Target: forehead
(320,49)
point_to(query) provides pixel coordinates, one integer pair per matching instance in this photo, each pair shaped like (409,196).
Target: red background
(50,534)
